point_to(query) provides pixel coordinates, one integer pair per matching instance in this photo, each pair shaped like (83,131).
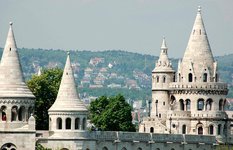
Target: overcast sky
(131,25)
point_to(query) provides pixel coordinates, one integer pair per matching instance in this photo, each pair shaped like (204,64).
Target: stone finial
(199,9)
(11,23)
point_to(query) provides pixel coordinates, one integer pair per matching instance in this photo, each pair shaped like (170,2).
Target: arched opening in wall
(59,123)
(209,103)
(179,77)
(3,113)
(157,149)
(123,148)
(174,78)
(68,123)
(139,148)
(219,129)
(21,115)
(172,149)
(184,129)
(8,146)
(220,105)
(77,123)
(225,129)
(188,104)
(164,79)
(157,79)
(200,130)
(172,102)
(190,77)
(30,111)
(200,104)
(14,114)
(181,104)
(211,129)
(50,122)
(205,77)
(151,130)
(105,148)
(64,149)
(84,123)
(216,77)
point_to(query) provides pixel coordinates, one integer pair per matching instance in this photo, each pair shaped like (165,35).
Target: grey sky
(131,25)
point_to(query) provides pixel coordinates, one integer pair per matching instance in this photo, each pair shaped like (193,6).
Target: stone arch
(30,111)
(164,79)
(209,103)
(181,101)
(211,129)
(59,123)
(200,104)
(151,130)
(14,113)
(123,148)
(190,77)
(199,128)
(139,148)
(172,102)
(84,123)
(77,123)
(3,113)
(8,146)
(216,77)
(21,113)
(157,148)
(64,149)
(104,148)
(184,128)
(187,104)
(68,123)
(157,79)
(205,77)
(220,105)
(172,149)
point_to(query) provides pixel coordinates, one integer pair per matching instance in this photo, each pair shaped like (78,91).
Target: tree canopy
(45,88)
(111,114)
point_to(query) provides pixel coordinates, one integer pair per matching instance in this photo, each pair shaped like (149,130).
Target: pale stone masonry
(187,106)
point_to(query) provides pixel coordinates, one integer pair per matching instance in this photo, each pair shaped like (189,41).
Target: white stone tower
(16,101)
(198,95)
(162,75)
(68,113)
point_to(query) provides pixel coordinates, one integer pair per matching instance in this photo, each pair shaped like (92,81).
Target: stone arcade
(187,106)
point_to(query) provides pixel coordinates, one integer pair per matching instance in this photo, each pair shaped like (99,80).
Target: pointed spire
(39,72)
(67,98)
(12,82)
(163,63)
(198,49)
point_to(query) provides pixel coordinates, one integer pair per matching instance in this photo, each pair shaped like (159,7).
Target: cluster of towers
(190,100)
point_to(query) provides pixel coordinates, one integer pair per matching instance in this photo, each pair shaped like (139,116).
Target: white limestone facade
(193,101)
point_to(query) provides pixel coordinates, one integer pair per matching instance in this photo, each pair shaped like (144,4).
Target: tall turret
(68,113)
(162,75)
(16,100)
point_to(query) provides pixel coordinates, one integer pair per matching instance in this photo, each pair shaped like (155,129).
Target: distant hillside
(109,72)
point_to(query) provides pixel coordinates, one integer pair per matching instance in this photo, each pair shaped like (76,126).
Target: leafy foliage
(45,88)
(111,114)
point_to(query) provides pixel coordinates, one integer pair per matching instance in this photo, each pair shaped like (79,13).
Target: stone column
(81,123)
(72,123)
(63,123)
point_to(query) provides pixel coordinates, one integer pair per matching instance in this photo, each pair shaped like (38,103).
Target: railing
(196,85)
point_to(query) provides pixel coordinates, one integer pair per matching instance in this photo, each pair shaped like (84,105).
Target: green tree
(111,114)
(45,88)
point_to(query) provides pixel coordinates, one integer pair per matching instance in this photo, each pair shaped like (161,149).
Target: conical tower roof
(12,82)
(67,98)
(163,64)
(198,51)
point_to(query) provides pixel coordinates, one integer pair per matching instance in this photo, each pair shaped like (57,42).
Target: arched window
(84,123)
(157,149)
(21,115)
(30,111)
(209,103)
(181,104)
(157,79)
(164,79)
(190,77)
(139,148)
(220,105)
(179,77)
(68,123)
(188,103)
(123,148)
(184,129)
(211,129)
(205,77)
(105,148)
(200,130)
(172,102)
(59,123)
(219,129)
(151,130)
(14,114)
(200,104)
(216,77)
(8,146)
(77,123)
(3,111)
